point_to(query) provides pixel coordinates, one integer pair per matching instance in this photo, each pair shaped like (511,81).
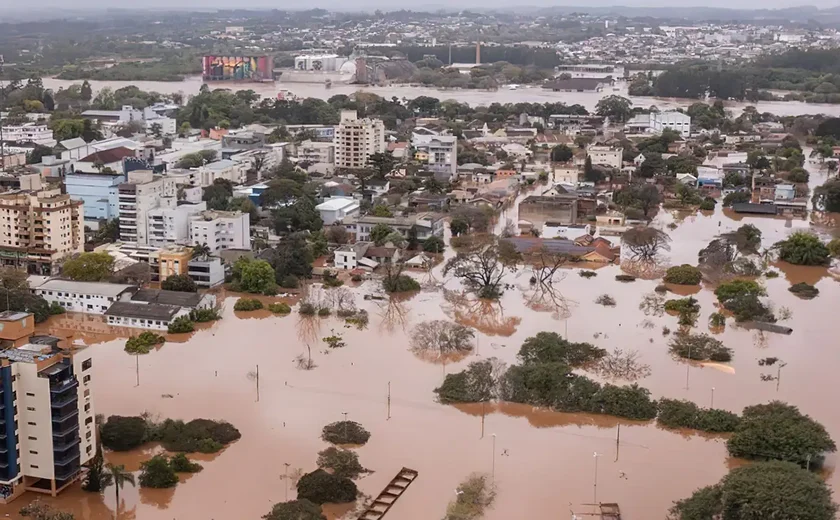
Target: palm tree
(201,251)
(118,476)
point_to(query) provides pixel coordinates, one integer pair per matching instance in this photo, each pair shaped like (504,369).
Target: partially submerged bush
(319,487)
(478,383)
(341,462)
(741,298)
(279,308)
(247,304)
(625,278)
(804,290)
(401,283)
(198,435)
(472,497)
(120,433)
(442,338)
(687,308)
(301,509)
(587,274)
(685,414)
(181,464)
(345,432)
(157,473)
(204,315)
(780,431)
(717,319)
(683,275)
(699,347)
(606,300)
(550,347)
(181,325)
(307,309)
(324,312)
(143,343)
(803,248)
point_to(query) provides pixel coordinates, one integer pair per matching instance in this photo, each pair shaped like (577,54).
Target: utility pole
(286,479)
(595,455)
(258,383)
(137,368)
(389,400)
(713,398)
(493,473)
(779,374)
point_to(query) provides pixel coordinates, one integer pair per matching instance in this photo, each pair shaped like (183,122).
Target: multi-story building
(143,192)
(673,120)
(38,228)
(425,224)
(221,230)
(440,152)
(29,133)
(357,139)
(169,226)
(86,297)
(606,155)
(317,152)
(98,191)
(47,418)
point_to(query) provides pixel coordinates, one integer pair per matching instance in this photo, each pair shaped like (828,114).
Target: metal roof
(148,311)
(93,288)
(175,298)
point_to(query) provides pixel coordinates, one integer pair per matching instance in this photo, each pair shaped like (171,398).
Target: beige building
(143,193)
(47,419)
(357,139)
(606,156)
(38,228)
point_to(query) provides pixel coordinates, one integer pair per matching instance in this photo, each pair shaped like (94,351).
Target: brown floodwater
(543,461)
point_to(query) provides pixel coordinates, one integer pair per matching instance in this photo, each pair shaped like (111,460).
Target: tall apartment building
(99,192)
(317,152)
(221,230)
(47,418)
(142,193)
(170,226)
(357,139)
(38,228)
(441,150)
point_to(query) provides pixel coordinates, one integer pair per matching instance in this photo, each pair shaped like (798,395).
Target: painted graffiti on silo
(237,68)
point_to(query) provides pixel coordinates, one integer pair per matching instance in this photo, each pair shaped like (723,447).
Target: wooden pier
(386,498)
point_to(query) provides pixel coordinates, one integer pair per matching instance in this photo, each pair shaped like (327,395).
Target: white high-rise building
(441,150)
(221,230)
(170,226)
(143,193)
(47,418)
(357,139)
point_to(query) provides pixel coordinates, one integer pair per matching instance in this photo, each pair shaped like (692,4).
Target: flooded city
(545,464)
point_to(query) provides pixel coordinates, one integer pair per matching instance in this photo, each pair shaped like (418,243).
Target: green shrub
(474,385)
(295,510)
(717,319)
(740,297)
(685,414)
(180,283)
(340,462)
(307,309)
(401,283)
(631,402)
(834,247)
(356,278)
(550,347)
(683,275)
(771,274)
(661,289)
(804,290)
(180,325)
(143,343)
(204,315)
(319,487)
(803,248)
(279,308)
(345,432)
(625,278)
(198,435)
(289,282)
(56,309)
(587,274)
(247,304)
(780,431)
(120,433)
(181,464)
(688,310)
(157,473)
(708,204)
(324,312)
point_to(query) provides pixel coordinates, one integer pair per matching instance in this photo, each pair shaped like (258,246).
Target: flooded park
(544,464)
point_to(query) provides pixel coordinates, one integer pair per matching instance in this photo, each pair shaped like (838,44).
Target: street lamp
(494,459)
(713,398)
(595,455)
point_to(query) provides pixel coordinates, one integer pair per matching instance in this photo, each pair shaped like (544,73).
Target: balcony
(66,444)
(67,429)
(69,413)
(67,473)
(68,459)
(62,401)
(65,384)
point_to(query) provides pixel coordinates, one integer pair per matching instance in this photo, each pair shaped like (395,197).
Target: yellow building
(174,260)
(39,228)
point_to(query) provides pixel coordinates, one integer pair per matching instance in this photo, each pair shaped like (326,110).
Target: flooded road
(192,84)
(543,460)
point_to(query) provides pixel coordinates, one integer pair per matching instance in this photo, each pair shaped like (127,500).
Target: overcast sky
(345,5)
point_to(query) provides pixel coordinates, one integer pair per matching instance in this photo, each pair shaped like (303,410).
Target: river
(192,84)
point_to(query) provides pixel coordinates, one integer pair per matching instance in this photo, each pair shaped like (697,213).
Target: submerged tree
(478,383)
(482,271)
(760,491)
(644,244)
(442,337)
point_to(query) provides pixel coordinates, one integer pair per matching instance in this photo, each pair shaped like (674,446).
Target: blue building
(99,191)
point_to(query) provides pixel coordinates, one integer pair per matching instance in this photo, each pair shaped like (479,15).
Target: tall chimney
(478,52)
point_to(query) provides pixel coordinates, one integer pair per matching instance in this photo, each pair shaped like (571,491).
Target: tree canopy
(803,248)
(89,267)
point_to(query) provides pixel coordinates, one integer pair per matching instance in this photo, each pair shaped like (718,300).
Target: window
(33,438)
(89,449)
(87,435)
(89,420)
(31,424)
(86,364)
(32,452)
(33,466)
(87,407)
(86,379)
(30,408)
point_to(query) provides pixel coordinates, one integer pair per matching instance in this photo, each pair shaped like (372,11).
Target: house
(785,192)
(529,246)
(364,255)
(421,261)
(424,224)
(156,309)
(579,84)
(86,297)
(687,179)
(428,201)
(111,158)
(606,155)
(610,218)
(335,209)
(566,175)
(709,177)
(755,209)
(565,231)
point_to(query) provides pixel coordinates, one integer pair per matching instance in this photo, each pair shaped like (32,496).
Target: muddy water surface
(542,462)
